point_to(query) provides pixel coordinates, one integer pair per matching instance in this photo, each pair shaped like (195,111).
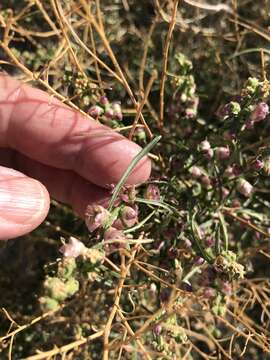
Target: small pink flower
(223,152)
(257,164)
(187,243)
(196,172)
(260,112)
(95,111)
(244,187)
(225,192)
(198,261)
(104,100)
(152,192)
(157,329)
(205,146)
(226,288)
(96,216)
(206,150)
(209,241)
(73,248)
(206,181)
(109,113)
(117,111)
(129,216)
(209,293)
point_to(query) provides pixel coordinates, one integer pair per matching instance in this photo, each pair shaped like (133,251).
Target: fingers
(47,131)
(63,185)
(24,203)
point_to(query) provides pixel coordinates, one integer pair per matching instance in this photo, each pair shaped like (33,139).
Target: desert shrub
(175,268)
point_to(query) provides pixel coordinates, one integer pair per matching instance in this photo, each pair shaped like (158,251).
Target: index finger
(46,130)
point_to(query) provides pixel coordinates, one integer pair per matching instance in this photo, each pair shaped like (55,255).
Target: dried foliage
(177,268)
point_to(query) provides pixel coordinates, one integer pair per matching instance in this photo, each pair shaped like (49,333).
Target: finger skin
(24,203)
(42,128)
(63,185)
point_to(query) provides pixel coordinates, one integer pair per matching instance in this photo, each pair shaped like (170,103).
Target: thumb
(24,203)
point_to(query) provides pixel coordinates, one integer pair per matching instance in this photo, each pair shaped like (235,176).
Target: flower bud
(109,113)
(206,150)
(55,288)
(244,187)
(223,152)
(206,181)
(209,241)
(129,216)
(260,112)
(225,192)
(226,288)
(235,108)
(117,111)
(252,85)
(114,239)
(140,134)
(267,165)
(95,111)
(190,113)
(152,192)
(104,100)
(187,243)
(209,293)
(73,249)
(195,171)
(257,164)
(198,261)
(232,170)
(157,329)
(204,146)
(48,304)
(96,216)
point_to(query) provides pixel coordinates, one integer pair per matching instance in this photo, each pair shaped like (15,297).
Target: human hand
(54,150)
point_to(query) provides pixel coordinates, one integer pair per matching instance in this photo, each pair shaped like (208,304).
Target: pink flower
(127,219)
(209,241)
(206,181)
(73,248)
(96,216)
(226,288)
(205,146)
(257,164)
(206,150)
(223,152)
(104,100)
(209,293)
(129,216)
(117,111)
(109,113)
(195,171)
(95,111)
(198,261)
(152,192)
(260,112)
(244,187)
(225,192)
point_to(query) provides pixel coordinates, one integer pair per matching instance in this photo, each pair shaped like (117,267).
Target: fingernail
(22,199)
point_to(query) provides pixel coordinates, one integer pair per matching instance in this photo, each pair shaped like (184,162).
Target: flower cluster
(109,112)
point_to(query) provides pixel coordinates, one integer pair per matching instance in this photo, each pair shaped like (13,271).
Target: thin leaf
(132,165)
(224,231)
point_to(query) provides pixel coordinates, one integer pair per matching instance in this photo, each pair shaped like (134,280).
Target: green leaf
(132,165)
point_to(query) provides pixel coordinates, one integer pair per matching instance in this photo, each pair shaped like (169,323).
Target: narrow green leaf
(132,165)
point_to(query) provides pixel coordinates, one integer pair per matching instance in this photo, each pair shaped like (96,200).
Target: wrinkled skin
(48,149)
